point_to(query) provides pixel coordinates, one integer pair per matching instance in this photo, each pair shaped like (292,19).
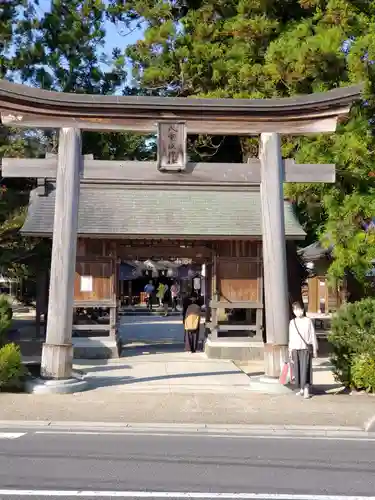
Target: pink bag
(286,374)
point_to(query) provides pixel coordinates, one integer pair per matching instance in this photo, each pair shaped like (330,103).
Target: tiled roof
(123,211)
(315,251)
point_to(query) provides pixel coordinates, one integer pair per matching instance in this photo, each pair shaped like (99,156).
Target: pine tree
(61,49)
(260,49)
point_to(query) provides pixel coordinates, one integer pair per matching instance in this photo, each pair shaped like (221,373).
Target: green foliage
(253,48)
(221,48)
(12,370)
(6,314)
(353,338)
(59,47)
(363,372)
(14,249)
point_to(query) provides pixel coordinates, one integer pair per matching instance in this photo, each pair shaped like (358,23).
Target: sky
(121,40)
(115,37)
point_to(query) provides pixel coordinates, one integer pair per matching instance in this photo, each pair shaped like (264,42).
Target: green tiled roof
(123,211)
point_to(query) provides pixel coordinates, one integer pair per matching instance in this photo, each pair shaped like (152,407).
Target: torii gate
(22,106)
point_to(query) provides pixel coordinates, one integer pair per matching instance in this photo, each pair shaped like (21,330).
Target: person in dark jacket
(191,335)
(166,300)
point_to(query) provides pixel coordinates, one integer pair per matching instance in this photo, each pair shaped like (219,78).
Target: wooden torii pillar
(25,107)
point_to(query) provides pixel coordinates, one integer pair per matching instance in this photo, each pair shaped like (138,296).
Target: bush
(363,372)
(12,370)
(6,314)
(353,341)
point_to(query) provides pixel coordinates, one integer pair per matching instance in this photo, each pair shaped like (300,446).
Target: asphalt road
(124,463)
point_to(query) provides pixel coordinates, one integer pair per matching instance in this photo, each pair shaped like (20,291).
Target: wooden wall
(321,297)
(237,284)
(96,260)
(239,271)
(102,274)
(236,266)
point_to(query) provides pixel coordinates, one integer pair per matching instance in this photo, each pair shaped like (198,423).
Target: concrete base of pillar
(268,385)
(61,386)
(274,358)
(96,348)
(234,350)
(57,361)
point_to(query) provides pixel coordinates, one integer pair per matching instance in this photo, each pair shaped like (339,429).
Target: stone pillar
(274,253)
(57,355)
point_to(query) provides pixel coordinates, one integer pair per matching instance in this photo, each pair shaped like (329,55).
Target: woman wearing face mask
(303,347)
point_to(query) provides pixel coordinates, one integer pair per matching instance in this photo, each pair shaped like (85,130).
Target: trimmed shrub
(12,370)
(353,340)
(363,372)
(6,314)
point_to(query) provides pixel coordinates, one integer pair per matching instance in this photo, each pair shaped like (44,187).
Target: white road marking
(359,437)
(174,495)
(11,435)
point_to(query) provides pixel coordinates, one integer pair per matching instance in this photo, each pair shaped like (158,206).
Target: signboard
(86,284)
(172,146)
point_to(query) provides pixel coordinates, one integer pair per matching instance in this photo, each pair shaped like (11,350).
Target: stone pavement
(155,381)
(151,329)
(177,388)
(164,369)
(244,408)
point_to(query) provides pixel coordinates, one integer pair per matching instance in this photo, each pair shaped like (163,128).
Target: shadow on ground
(102,368)
(131,350)
(23,333)
(97,382)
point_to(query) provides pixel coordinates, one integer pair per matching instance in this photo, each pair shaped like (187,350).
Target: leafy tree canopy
(268,48)
(56,47)
(216,48)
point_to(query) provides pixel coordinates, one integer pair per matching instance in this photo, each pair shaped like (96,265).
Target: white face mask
(298,313)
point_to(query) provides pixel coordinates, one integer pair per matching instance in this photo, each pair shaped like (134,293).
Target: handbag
(286,374)
(309,347)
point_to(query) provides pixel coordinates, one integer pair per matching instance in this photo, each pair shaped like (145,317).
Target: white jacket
(306,329)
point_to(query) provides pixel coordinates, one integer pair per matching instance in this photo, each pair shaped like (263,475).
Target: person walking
(175,292)
(166,299)
(303,346)
(160,293)
(191,318)
(149,290)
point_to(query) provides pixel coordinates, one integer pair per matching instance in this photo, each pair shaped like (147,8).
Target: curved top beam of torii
(24,106)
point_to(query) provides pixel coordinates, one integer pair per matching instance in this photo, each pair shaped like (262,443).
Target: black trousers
(302,367)
(192,339)
(149,302)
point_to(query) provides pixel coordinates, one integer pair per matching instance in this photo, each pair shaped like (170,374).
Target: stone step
(144,312)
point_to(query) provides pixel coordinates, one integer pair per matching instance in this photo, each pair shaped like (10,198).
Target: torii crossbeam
(206,175)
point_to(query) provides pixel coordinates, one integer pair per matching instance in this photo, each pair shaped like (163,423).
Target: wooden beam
(29,167)
(143,173)
(94,327)
(221,126)
(164,252)
(57,355)
(231,328)
(23,106)
(87,304)
(223,304)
